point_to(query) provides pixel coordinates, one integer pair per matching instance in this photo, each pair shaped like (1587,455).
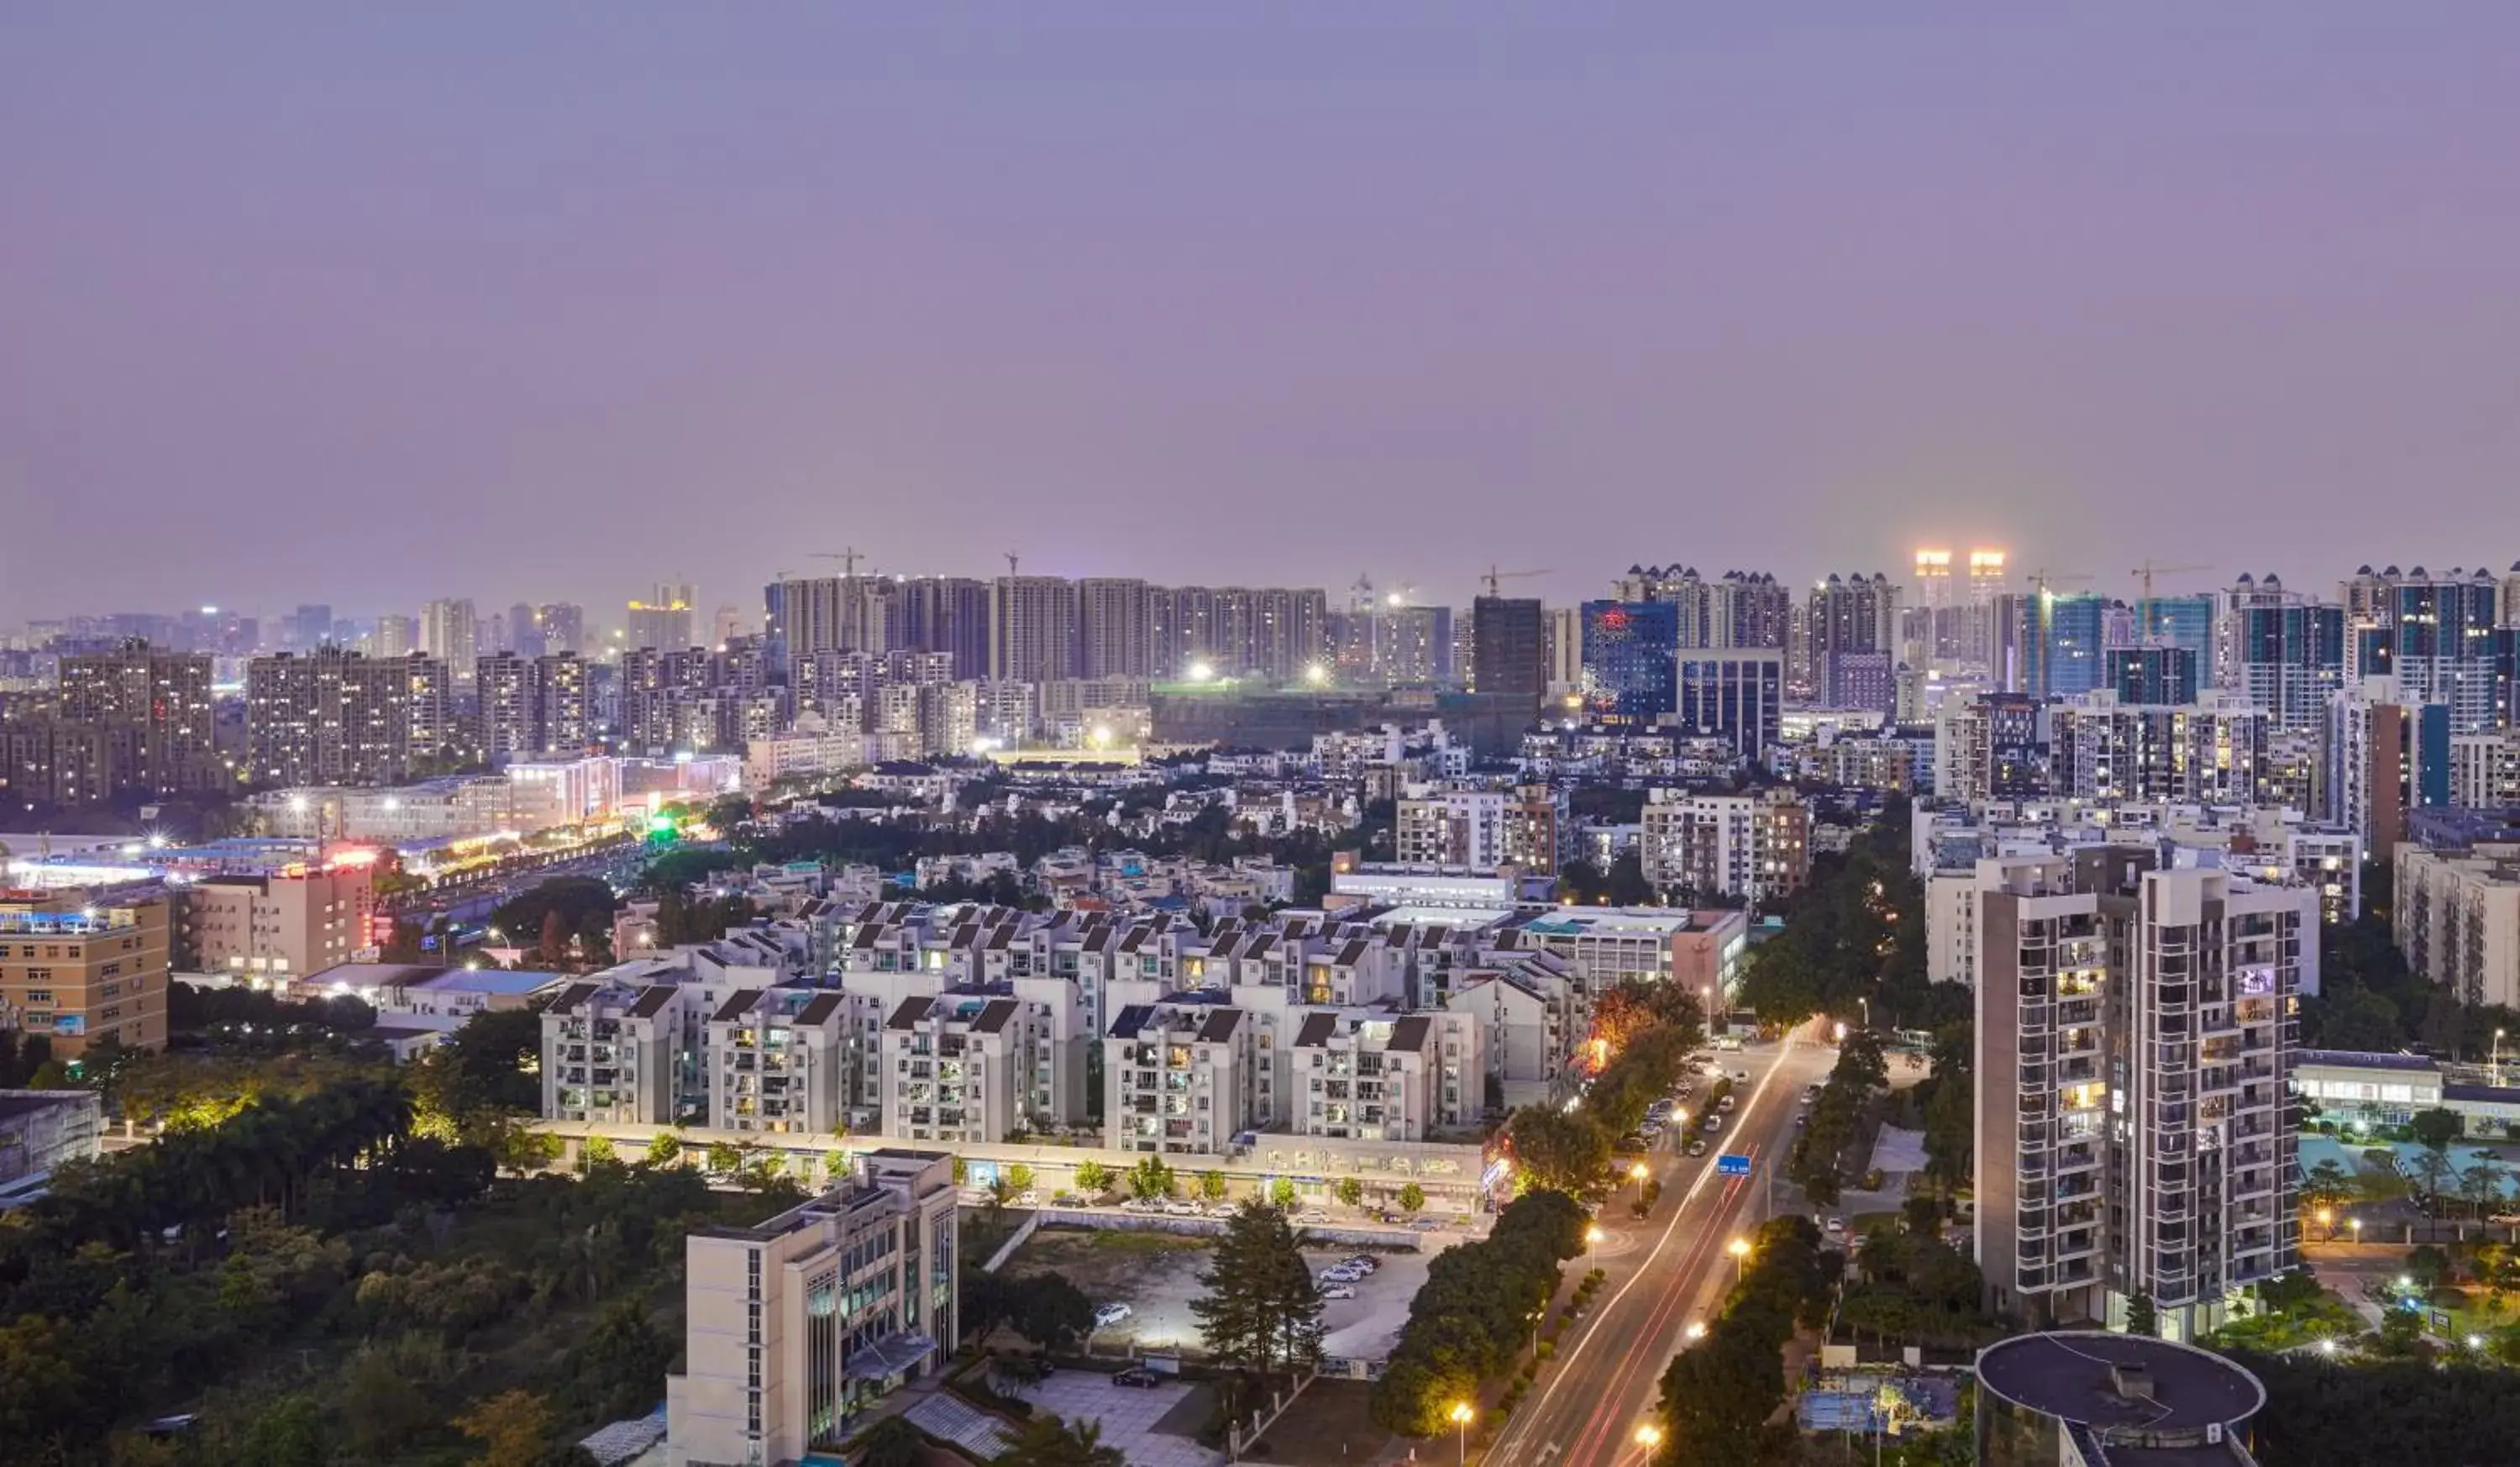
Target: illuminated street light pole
(1592,1237)
(1739,1248)
(1461,1420)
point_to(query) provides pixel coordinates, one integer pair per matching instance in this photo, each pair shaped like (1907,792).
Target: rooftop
(2067,1374)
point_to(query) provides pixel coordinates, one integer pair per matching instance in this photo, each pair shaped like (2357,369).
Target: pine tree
(1261,1312)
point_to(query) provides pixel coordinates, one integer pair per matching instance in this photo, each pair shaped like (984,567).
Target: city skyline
(297,300)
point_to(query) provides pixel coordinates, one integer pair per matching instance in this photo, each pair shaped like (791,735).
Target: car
(1663,1107)
(1339,1291)
(1698,1148)
(1801,1120)
(1028,1198)
(1741,1076)
(2504,1219)
(1110,1314)
(1835,1228)
(1714,1123)
(1313,1216)
(1184,1210)
(1724,1103)
(1631,1143)
(1423,1224)
(1810,1093)
(1364,1260)
(1220,1209)
(1142,1205)
(1337,1276)
(1138,1376)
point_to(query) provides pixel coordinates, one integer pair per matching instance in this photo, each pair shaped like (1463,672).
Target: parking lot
(1150,1425)
(1156,1275)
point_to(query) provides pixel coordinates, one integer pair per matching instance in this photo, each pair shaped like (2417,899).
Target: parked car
(1714,1123)
(1339,1291)
(2504,1219)
(1339,1276)
(1810,1093)
(1726,1104)
(1138,1376)
(1364,1260)
(1110,1314)
(1835,1228)
(1741,1076)
(1801,1120)
(1698,1148)
(1028,1198)
(1220,1209)
(1183,1209)
(1423,1224)
(1312,1214)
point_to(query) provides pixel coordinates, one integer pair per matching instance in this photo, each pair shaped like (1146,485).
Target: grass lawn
(1328,1426)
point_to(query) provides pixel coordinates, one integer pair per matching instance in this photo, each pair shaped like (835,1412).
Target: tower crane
(2148,570)
(1010,564)
(848,557)
(2041,580)
(1492,576)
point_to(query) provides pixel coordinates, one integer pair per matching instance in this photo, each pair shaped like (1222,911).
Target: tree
(1020,1178)
(289,1433)
(1051,1311)
(664,1148)
(1047,1440)
(512,1428)
(725,1158)
(2143,1317)
(1093,1178)
(1152,1179)
(2326,1185)
(2432,1168)
(1350,1192)
(1211,1185)
(619,1367)
(1412,1197)
(891,1443)
(1562,1150)
(2435,1128)
(1282,1194)
(2481,1184)
(1631,1007)
(1261,1310)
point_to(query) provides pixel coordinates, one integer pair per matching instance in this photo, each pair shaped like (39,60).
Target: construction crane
(2148,570)
(848,559)
(1492,576)
(2041,580)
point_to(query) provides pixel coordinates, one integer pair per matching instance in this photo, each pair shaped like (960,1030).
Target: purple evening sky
(368,304)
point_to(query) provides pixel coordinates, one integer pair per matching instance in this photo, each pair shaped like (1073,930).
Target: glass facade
(2062,645)
(1631,651)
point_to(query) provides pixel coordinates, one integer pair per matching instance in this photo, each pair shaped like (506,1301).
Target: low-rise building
(1378,1076)
(281,927)
(39,1130)
(981,1063)
(779,1060)
(613,1052)
(794,1328)
(80,968)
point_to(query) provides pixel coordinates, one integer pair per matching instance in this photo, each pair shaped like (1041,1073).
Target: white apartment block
(979,1066)
(796,1326)
(2134,1131)
(1444,826)
(1530,1022)
(1750,848)
(1377,1077)
(2485,769)
(1179,1077)
(618,1053)
(2457,919)
(778,1061)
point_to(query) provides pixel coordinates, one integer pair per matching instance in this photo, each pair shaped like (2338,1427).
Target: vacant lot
(1156,1275)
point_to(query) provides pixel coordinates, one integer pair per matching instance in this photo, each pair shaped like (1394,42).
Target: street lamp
(1739,1248)
(2497,1058)
(1648,1437)
(2327,1220)
(2357,1224)
(1639,1171)
(1462,1419)
(1592,1237)
(1867,1011)
(1696,1330)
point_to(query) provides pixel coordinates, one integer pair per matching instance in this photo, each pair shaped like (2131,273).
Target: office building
(1561,650)
(2134,1123)
(311,627)
(78,968)
(1738,696)
(2186,622)
(1630,667)
(1508,653)
(795,1327)
(2061,640)
(155,708)
(1748,848)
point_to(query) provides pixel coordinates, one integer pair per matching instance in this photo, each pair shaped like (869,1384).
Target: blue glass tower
(1631,652)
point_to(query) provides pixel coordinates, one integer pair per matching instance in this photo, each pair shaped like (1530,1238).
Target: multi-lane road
(1664,1273)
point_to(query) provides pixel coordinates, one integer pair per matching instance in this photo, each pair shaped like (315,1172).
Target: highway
(1663,1274)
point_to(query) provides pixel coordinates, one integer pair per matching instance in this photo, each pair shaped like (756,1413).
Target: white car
(1338,1291)
(1182,1210)
(1313,1215)
(1028,1198)
(1341,1274)
(1835,1228)
(1110,1314)
(1220,1209)
(1714,1123)
(2504,1219)
(1364,1260)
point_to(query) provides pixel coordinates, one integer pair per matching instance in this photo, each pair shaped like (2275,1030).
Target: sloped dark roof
(736,1006)
(995,1017)
(908,1013)
(1131,1020)
(820,1008)
(654,1001)
(1316,1030)
(1410,1033)
(573,995)
(1353,953)
(1220,1025)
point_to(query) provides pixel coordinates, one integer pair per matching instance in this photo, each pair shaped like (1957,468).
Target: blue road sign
(1733,1164)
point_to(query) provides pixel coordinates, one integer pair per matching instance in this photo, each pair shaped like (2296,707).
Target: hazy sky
(367,304)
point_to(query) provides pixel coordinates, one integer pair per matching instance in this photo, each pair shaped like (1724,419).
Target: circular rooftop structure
(2112,1389)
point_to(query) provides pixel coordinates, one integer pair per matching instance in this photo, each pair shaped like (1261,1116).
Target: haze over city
(380,306)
